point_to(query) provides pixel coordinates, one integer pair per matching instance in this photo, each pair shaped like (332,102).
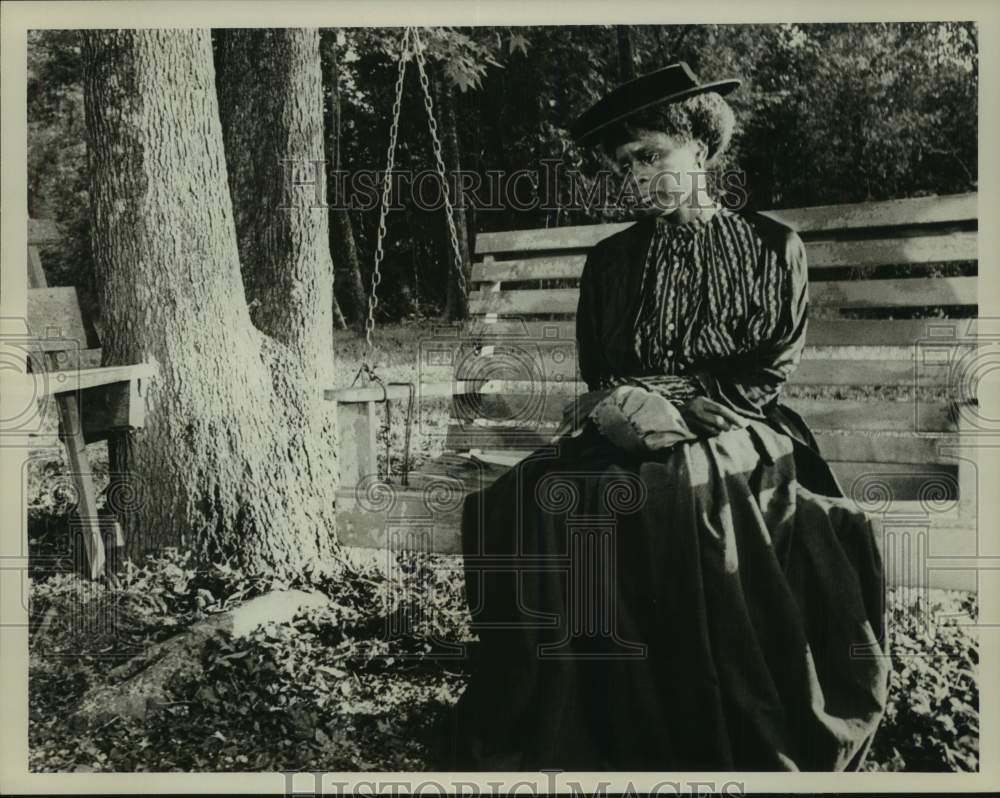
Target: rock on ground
(141,684)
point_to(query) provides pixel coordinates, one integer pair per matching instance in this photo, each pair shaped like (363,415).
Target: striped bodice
(710,289)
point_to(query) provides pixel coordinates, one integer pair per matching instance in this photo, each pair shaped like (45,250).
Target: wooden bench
(885,392)
(93,403)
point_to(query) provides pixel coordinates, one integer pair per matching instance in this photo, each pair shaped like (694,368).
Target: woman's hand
(707,417)
(639,421)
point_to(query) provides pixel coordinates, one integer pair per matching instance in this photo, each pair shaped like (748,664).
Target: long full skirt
(697,610)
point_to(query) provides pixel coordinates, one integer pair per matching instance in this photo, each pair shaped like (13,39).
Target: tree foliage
(827,113)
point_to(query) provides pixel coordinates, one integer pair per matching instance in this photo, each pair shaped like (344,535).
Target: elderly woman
(690,590)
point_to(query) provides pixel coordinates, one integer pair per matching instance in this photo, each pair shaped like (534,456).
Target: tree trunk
(270,103)
(343,229)
(626,55)
(237,459)
(457,308)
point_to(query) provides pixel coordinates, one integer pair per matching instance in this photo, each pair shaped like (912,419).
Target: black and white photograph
(535,399)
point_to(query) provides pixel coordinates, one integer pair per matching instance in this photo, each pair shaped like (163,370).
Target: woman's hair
(706,116)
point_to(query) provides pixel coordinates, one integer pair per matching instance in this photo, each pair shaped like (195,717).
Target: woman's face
(666,171)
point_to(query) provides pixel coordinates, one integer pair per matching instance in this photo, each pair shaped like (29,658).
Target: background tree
(342,228)
(457,303)
(270,103)
(235,460)
(626,57)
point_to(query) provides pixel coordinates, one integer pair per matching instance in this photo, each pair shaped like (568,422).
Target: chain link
(386,196)
(458,264)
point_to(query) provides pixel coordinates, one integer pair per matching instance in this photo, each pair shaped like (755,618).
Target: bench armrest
(57,382)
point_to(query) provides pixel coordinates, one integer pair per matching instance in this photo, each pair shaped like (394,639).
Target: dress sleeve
(748,384)
(590,356)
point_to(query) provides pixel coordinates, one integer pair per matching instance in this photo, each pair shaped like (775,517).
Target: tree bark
(270,104)
(457,307)
(237,460)
(346,252)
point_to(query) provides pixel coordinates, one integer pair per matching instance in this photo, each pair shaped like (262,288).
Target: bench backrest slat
(822,332)
(43,232)
(56,322)
(839,294)
(540,365)
(821,254)
(955,209)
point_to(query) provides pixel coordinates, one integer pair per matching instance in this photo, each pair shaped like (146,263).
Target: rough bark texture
(271,108)
(458,300)
(236,459)
(346,249)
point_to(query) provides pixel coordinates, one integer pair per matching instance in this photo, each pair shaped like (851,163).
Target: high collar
(665,227)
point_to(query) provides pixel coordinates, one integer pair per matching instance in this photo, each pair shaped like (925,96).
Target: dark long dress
(718,606)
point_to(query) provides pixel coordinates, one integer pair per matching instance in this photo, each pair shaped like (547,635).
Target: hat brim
(722,87)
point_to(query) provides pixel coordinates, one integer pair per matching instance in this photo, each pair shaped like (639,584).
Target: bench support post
(356,436)
(968,471)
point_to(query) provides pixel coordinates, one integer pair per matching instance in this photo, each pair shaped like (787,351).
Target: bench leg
(69,415)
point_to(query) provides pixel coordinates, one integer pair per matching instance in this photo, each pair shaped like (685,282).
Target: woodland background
(827,114)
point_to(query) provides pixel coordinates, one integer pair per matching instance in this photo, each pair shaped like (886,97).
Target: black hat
(667,85)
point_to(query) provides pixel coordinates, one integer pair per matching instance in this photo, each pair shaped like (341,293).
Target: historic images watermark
(549,188)
(315,784)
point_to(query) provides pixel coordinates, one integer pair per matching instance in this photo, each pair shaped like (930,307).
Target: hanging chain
(386,196)
(367,368)
(459,265)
